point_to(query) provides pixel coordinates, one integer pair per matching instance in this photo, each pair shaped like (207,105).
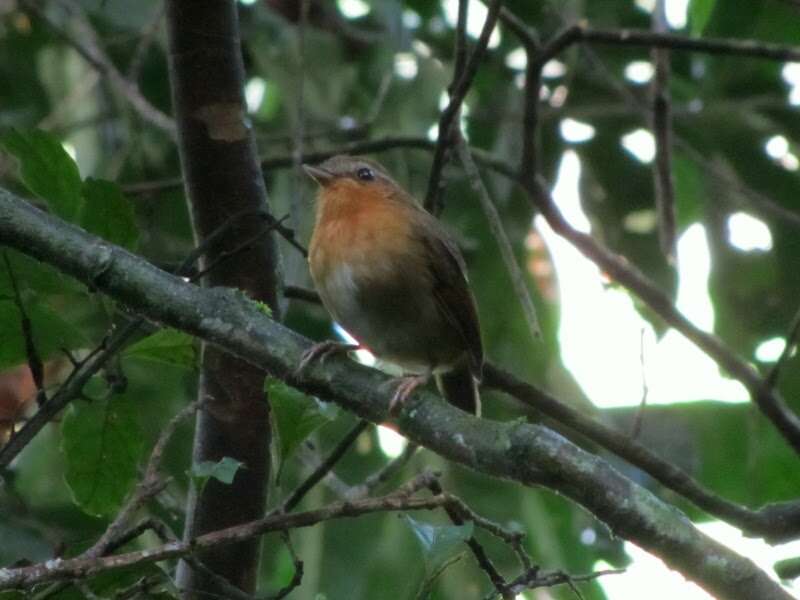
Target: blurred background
(360,70)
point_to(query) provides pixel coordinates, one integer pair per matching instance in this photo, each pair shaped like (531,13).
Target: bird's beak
(318,174)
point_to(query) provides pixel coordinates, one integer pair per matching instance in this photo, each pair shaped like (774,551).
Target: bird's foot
(406,386)
(321,351)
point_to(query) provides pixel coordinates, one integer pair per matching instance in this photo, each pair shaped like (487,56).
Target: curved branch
(618,268)
(528,454)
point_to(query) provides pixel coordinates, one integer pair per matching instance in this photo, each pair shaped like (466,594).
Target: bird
(389,273)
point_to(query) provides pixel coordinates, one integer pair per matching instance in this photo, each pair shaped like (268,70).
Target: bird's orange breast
(357,226)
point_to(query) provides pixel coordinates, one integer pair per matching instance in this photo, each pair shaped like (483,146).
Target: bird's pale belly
(394,317)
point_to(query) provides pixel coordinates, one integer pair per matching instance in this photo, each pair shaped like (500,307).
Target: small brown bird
(388,273)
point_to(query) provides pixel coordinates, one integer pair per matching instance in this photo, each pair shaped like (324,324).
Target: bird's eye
(365,174)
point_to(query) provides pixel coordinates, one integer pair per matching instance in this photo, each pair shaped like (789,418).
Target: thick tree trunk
(223,178)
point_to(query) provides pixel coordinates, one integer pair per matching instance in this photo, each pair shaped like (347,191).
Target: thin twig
(148,486)
(649,39)
(226,255)
(485,563)
(529,158)
(791,339)
(524,32)
(776,523)
(433,197)
(499,233)
(35,364)
(535,579)
(297,578)
(618,268)
(81,567)
(448,120)
(300,293)
(626,274)
(377,104)
(101,355)
(70,389)
(460,54)
(383,475)
(325,466)
(298,129)
(636,429)
(662,132)
(145,42)
(361,147)
(88,46)
(757,201)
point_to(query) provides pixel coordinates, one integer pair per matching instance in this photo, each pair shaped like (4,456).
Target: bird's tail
(460,388)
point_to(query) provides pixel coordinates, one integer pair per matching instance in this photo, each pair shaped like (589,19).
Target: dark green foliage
(724,110)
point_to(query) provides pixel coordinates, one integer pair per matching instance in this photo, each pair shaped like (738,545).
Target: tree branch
(88,46)
(529,454)
(650,39)
(495,222)
(662,133)
(448,120)
(776,523)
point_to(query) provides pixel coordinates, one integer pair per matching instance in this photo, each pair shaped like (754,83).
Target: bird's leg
(321,351)
(406,386)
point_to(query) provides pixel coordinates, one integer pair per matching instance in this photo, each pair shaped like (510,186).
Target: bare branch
(791,339)
(527,453)
(662,132)
(622,271)
(34,360)
(148,486)
(499,233)
(363,147)
(649,39)
(88,46)
(776,523)
(325,466)
(70,389)
(448,120)
(484,562)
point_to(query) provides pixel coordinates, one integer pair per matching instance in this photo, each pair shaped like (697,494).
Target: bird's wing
(453,296)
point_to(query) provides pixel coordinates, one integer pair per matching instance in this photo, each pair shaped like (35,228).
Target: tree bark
(529,454)
(222,179)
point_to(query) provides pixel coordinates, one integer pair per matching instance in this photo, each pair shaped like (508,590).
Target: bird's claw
(321,351)
(405,388)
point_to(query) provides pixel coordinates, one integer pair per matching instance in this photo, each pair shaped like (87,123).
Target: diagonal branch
(88,46)
(768,400)
(526,453)
(448,120)
(776,523)
(500,236)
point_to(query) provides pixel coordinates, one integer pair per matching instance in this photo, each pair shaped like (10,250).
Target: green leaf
(224,470)
(50,332)
(106,212)
(699,14)
(30,274)
(47,170)
(168,346)
(102,442)
(295,416)
(439,543)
